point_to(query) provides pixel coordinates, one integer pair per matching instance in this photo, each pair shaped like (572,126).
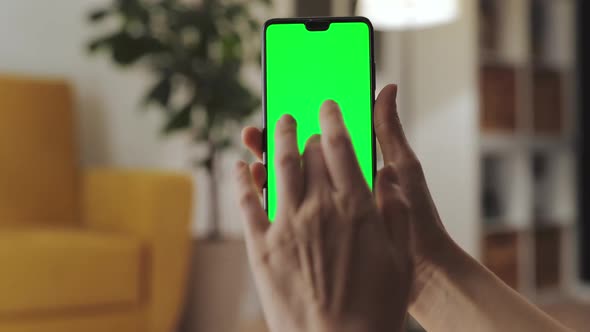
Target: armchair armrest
(156,207)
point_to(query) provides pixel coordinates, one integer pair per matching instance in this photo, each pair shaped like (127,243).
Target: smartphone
(307,61)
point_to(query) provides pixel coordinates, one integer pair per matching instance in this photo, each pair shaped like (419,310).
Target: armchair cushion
(39,168)
(55,270)
(156,207)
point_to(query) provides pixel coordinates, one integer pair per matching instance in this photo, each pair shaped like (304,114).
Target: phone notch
(317,25)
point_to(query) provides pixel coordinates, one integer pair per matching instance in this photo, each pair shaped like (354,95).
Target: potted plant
(195,50)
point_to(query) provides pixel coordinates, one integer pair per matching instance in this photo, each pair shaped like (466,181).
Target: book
(498,98)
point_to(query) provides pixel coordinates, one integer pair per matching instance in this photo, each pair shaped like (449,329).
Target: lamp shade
(408,14)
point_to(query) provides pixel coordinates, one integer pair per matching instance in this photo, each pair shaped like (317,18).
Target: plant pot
(216,286)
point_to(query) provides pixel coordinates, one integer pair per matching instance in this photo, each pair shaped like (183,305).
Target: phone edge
(373,87)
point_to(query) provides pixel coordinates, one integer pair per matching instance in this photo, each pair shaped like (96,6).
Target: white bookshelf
(534,156)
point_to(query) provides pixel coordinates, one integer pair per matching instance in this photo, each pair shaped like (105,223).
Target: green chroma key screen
(303,69)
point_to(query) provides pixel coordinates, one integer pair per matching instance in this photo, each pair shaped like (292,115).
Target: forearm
(324,322)
(459,294)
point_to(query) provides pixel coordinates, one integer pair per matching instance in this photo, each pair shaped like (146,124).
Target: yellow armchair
(98,250)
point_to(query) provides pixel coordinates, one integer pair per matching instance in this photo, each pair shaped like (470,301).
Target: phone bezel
(304,20)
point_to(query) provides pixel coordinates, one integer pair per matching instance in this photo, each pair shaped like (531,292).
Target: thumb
(388,127)
(394,207)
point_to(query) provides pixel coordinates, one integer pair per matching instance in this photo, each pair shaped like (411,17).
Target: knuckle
(263,258)
(247,199)
(338,140)
(312,218)
(243,178)
(390,173)
(355,205)
(412,167)
(394,169)
(313,208)
(287,161)
(397,200)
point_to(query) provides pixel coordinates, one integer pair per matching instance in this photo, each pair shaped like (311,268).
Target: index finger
(340,157)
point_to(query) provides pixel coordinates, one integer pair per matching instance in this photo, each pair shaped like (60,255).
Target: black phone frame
(307,20)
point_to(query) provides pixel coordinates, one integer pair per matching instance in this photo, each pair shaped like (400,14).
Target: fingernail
(330,106)
(287,120)
(314,139)
(395,89)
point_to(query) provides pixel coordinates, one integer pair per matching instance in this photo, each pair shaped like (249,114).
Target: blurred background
(119,129)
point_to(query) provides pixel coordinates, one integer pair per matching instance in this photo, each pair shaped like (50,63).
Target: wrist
(350,324)
(434,254)
(438,280)
(432,267)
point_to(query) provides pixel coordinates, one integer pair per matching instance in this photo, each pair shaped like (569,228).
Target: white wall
(48,38)
(439,102)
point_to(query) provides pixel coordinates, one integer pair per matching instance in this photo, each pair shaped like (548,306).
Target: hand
(430,236)
(327,263)
(451,291)
(428,233)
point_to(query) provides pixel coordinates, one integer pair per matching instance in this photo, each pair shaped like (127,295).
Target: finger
(252,139)
(338,151)
(314,166)
(253,214)
(287,164)
(259,175)
(394,207)
(388,128)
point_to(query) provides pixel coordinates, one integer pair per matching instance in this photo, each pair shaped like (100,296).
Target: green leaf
(99,43)
(179,120)
(231,47)
(149,33)
(233,10)
(134,9)
(128,49)
(98,15)
(224,143)
(253,24)
(160,93)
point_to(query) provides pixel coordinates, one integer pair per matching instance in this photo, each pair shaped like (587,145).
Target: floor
(573,314)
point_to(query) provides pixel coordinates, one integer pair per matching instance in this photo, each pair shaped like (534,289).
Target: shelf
(551,224)
(494,142)
(493,58)
(499,142)
(498,98)
(528,140)
(549,143)
(500,226)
